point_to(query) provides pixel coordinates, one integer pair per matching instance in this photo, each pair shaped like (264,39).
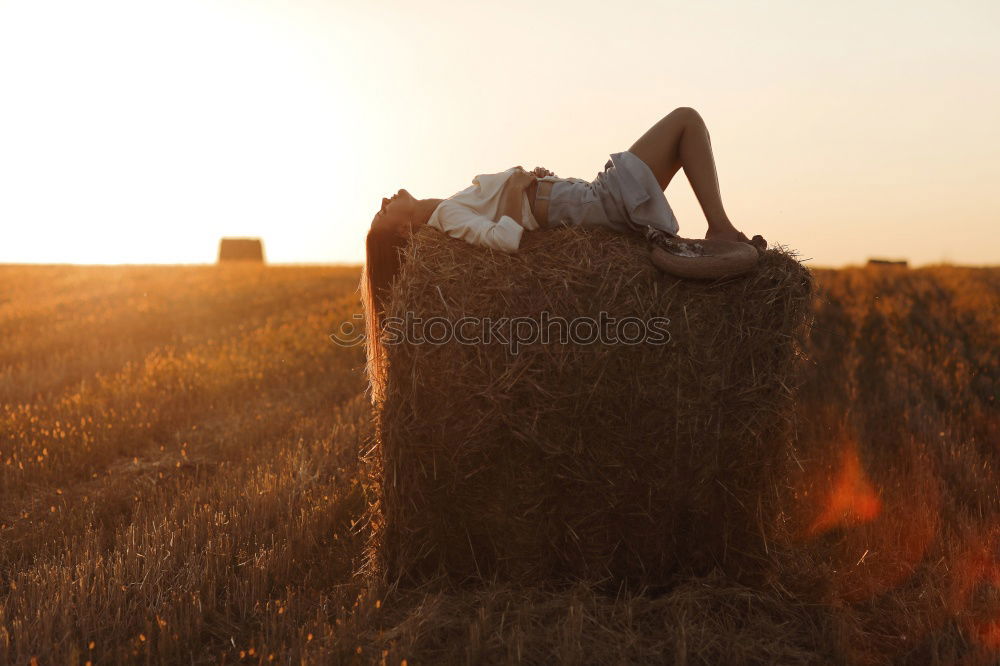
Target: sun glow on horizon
(145,132)
(141,127)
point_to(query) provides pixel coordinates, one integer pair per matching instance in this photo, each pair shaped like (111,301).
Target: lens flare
(852,499)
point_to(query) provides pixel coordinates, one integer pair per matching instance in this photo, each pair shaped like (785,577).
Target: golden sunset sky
(142,132)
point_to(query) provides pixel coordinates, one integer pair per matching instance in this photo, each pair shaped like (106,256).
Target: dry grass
(239,538)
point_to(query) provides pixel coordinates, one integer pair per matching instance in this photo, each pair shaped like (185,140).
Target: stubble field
(180,483)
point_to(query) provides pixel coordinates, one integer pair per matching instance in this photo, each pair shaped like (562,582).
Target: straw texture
(605,462)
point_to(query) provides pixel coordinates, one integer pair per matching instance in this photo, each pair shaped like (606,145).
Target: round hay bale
(598,460)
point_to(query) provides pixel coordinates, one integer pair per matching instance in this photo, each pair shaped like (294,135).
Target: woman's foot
(734,234)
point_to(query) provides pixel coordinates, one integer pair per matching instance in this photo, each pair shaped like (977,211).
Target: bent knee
(687,115)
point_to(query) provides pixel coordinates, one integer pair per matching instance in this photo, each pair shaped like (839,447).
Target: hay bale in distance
(887,262)
(583,461)
(241,249)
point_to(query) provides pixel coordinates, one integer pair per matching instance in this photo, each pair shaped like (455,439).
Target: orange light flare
(879,534)
(852,499)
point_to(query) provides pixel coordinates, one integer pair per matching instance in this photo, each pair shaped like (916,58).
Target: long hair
(382,264)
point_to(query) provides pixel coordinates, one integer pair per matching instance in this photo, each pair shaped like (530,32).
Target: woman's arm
(459,221)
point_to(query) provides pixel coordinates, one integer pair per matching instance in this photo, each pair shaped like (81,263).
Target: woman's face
(397,211)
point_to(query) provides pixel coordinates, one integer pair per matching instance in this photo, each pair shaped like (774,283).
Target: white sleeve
(462,222)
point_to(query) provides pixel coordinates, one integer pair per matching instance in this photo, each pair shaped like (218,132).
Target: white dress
(624,197)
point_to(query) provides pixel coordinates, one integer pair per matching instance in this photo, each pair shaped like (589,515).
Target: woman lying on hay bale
(557,452)
(626,197)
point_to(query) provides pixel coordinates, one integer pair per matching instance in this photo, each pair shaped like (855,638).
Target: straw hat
(698,258)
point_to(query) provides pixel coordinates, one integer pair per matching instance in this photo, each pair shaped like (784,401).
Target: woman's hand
(540,172)
(522,178)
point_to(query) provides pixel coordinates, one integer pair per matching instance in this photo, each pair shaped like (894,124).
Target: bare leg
(681,139)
